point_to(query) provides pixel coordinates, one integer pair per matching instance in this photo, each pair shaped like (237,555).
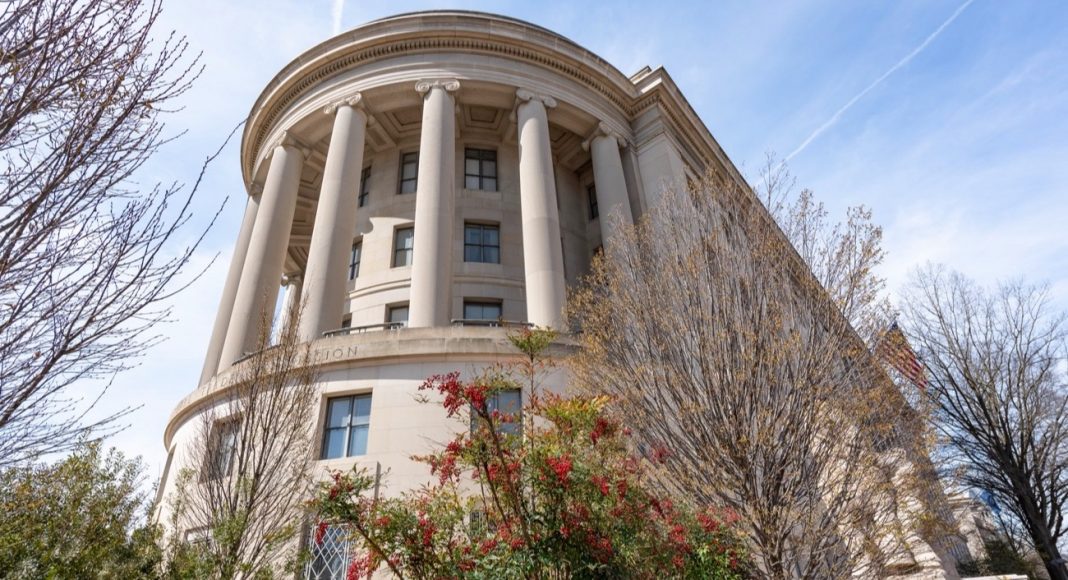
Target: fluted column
(335,221)
(609,183)
(291,302)
(258,289)
(543,258)
(431,291)
(233,277)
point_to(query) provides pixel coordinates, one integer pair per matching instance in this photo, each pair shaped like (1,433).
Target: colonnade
(252,283)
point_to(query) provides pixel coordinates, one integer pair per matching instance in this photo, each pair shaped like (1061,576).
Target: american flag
(894,349)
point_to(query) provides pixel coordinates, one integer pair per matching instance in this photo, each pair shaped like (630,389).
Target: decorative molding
(603,130)
(527,96)
(354,100)
(288,141)
(423,86)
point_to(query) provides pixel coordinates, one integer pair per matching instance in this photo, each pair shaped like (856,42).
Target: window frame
(390,309)
(481,157)
(591,202)
(347,427)
(222,443)
(408,252)
(365,187)
(482,304)
(493,402)
(482,246)
(411,157)
(355,255)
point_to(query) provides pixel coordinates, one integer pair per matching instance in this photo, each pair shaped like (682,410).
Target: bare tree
(843,256)
(85,251)
(251,464)
(721,349)
(999,392)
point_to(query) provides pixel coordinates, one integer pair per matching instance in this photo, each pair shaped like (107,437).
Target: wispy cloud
(335,16)
(838,114)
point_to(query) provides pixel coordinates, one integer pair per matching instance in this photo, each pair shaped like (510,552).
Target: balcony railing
(367,327)
(491,322)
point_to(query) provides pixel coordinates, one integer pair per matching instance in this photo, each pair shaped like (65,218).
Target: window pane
(471,182)
(408,186)
(398,314)
(404,238)
(471,166)
(409,171)
(472,234)
(491,255)
(337,412)
(334,443)
(361,414)
(489,169)
(358,441)
(489,184)
(490,235)
(472,253)
(491,311)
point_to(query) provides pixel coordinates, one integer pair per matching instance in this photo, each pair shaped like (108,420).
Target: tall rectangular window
(397,314)
(482,243)
(354,260)
(223,444)
(347,422)
(409,173)
(591,201)
(365,186)
(330,554)
(481,310)
(403,240)
(480,169)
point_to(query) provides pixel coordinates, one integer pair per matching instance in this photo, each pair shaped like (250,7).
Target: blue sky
(961,151)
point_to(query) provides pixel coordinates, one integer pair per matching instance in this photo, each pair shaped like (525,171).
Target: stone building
(417,183)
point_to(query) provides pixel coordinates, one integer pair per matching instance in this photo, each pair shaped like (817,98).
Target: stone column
(543,258)
(335,221)
(233,277)
(609,182)
(290,304)
(431,297)
(258,288)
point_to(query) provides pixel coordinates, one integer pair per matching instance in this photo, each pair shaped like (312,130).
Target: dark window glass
(365,185)
(223,445)
(409,172)
(398,313)
(354,260)
(482,310)
(403,240)
(480,169)
(347,422)
(591,200)
(482,243)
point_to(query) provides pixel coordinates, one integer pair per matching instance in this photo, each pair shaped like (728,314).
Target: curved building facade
(418,180)
(416,184)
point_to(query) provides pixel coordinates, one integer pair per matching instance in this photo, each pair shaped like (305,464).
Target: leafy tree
(561,497)
(83,517)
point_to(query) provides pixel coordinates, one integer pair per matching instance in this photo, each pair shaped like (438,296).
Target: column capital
(423,86)
(527,95)
(290,279)
(289,141)
(602,130)
(354,100)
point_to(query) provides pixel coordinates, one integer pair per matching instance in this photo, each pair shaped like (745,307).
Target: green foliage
(82,517)
(1001,558)
(565,498)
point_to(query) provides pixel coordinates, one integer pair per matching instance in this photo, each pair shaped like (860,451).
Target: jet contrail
(335,16)
(838,114)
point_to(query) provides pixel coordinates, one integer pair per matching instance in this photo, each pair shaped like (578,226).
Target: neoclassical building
(419,183)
